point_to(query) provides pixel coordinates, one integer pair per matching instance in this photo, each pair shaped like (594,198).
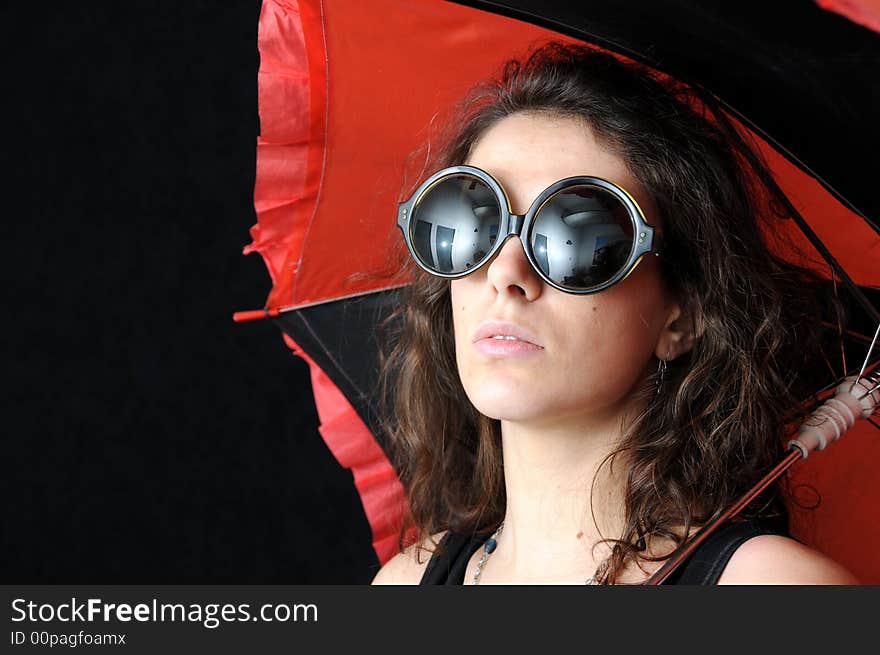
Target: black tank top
(702,567)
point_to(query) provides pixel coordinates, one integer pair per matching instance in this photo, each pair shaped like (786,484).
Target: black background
(148,438)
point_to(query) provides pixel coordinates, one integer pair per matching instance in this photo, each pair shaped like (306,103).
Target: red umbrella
(346,89)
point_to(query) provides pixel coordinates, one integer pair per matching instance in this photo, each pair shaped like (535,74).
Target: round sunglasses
(581,234)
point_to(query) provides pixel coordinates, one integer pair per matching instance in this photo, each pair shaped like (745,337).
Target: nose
(511,272)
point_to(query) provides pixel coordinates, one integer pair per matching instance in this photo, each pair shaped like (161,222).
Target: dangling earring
(661,371)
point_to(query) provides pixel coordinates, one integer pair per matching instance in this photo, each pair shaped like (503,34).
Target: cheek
(461,304)
(629,325)
(616,329)
(460,300)
(602,357)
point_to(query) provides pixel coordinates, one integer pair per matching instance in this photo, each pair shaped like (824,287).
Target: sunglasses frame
(521,224)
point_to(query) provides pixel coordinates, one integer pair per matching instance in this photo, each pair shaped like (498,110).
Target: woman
(577,396)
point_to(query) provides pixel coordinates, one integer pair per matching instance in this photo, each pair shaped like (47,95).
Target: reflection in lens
(455,223)
(582,237)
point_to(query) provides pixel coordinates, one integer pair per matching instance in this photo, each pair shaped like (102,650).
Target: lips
(491,329)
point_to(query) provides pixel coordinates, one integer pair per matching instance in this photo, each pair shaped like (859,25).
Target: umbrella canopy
(347,89)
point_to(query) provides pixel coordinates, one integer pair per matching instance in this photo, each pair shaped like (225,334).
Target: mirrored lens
(582,236)
(455,224)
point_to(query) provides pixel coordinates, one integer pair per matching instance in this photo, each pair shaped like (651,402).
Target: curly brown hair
(720,421)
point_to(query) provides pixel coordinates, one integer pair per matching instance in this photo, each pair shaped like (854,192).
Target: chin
(503,412)
(504,404)
(516,401)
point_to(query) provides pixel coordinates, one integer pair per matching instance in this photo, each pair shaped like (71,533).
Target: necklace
(492,544)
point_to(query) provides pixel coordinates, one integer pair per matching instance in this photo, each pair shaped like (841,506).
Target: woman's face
(594,349)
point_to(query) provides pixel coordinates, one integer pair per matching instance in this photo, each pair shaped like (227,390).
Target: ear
(678,334)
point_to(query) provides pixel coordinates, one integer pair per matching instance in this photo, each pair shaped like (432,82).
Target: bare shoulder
(777,560)
(409,566)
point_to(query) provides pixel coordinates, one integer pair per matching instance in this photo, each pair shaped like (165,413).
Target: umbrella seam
(332,359)
(324,301)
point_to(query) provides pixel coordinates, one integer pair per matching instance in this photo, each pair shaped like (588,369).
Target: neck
(555,512)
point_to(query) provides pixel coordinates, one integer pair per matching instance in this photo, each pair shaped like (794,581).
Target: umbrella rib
(867,357)
(828,363)
(818,245)
(855,336)
(839,326)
